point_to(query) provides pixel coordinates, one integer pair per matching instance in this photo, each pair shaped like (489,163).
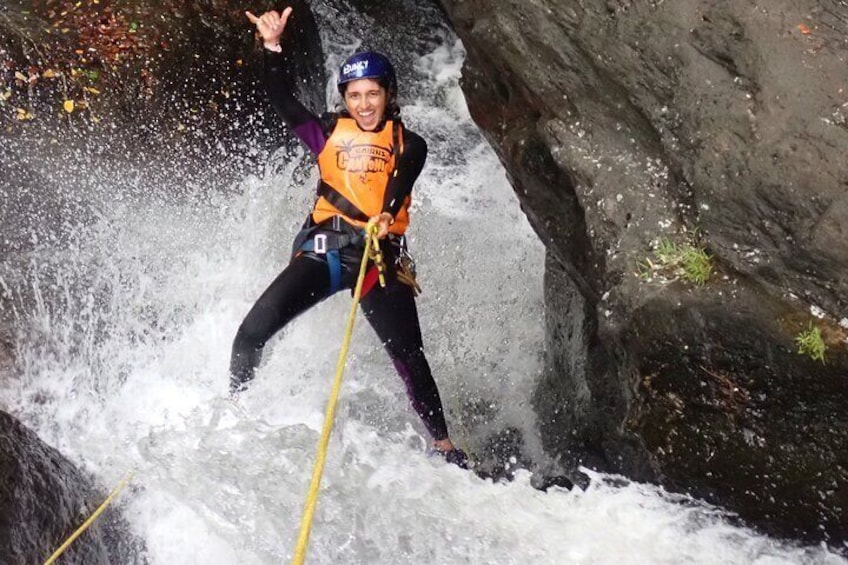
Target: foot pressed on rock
(456,457)
(450,452)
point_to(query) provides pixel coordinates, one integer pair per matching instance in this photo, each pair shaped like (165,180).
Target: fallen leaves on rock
(102,41)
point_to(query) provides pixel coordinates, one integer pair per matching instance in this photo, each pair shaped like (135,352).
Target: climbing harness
(333,235)
(372,253)
(91,519)
(327,239)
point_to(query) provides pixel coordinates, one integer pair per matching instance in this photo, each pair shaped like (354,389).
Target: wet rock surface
(135,98)
(44,499)
(712,124)
(152,69)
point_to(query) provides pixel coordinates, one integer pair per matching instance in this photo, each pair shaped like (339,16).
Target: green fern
(810,343)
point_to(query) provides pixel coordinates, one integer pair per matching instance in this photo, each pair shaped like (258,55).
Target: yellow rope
(87,523)
(372,250)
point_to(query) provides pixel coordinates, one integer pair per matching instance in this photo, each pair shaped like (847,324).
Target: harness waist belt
(323,242)
(335,234)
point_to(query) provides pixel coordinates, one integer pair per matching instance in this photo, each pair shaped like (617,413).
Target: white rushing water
(124,367)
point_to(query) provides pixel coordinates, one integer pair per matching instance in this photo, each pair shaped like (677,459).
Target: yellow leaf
(49,73)
(91,90)
(69,106)
(6,95)
(20,76)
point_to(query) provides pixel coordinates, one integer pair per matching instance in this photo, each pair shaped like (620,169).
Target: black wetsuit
(306,281)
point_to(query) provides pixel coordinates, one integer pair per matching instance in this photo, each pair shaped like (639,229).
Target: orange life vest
(357,166)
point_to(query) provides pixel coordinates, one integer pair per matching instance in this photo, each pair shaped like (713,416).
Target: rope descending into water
(372,251)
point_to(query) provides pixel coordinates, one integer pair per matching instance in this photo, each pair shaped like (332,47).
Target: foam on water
(124,366)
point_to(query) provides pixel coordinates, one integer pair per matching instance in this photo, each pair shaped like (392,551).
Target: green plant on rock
(697,265)
(684,261)
(810,343)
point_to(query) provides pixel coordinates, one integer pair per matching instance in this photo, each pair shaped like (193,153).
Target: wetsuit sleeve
(311,130)
(408,167)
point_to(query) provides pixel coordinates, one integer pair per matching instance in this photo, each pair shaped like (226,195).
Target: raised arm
(270,26)
(302,122)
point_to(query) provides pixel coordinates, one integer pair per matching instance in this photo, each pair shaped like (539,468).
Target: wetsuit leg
(302,284)
(393,315)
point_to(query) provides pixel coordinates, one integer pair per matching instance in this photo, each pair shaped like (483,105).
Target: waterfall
(123,329)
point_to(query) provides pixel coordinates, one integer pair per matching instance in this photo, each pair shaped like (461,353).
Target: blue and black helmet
(368,64)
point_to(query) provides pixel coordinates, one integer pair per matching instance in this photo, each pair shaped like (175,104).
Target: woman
(368,163)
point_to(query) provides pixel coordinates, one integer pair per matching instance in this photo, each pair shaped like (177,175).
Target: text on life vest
(363,159)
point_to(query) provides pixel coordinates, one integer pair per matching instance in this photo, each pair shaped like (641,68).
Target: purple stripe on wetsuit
(434,422)
(312,134)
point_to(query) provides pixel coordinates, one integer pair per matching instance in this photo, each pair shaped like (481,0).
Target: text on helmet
(358,67)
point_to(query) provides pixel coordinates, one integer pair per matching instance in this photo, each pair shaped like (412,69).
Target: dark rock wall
(149,69)
(166,96)
(717,124)
(168,103)
(44,499)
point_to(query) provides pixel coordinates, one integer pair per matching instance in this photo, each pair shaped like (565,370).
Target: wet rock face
(44,499)
(133,99)
(152,68)
(715,124)
(6,354)
(146,96)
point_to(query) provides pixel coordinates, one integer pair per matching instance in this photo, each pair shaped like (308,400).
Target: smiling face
(365,101)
